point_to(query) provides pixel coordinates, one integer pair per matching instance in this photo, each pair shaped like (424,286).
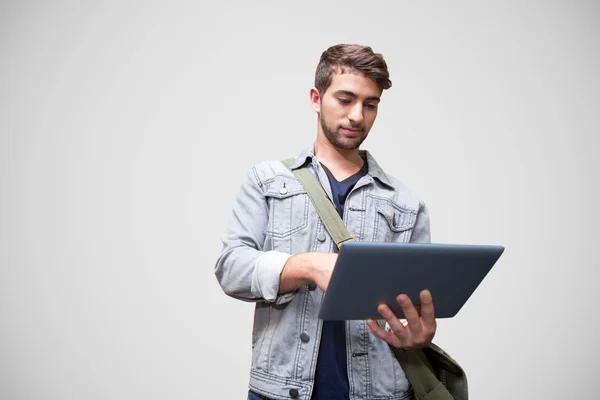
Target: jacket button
(304,337)
(321,237)
(283,190)
(294,393)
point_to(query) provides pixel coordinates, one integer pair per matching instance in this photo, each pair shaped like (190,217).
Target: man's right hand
(303,268)
(322,269)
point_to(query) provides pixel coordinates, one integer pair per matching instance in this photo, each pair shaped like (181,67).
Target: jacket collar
(374,170)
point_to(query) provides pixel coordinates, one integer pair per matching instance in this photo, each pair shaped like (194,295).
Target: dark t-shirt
(331,377)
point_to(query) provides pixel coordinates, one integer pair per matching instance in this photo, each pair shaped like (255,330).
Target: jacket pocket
(392,222)
(387,379)
(288,207)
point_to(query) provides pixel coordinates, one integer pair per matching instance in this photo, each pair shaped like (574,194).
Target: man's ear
(315,100)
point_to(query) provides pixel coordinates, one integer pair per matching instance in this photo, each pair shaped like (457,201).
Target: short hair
(347,57)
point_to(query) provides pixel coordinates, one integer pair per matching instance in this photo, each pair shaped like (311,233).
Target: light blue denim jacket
(273,218)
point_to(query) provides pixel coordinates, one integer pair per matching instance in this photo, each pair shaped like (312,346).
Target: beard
(338,139)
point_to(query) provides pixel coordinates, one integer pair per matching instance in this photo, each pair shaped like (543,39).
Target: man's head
(348,84)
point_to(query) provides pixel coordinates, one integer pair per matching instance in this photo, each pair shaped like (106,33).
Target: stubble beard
(338,140)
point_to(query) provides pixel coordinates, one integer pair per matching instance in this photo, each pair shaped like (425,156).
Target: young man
(277,253)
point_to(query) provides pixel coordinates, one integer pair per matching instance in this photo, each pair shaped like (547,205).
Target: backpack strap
(326,210)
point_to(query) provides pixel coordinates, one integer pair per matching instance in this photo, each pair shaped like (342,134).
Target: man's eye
(344,101)
(371,106)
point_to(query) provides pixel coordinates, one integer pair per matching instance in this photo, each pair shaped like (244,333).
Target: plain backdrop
(127,127)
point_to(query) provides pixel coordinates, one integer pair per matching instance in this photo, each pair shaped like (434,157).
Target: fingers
(410,313)
(377,330)
(419,329)
(427,311)
(383,334)
(418,336)
(397,327)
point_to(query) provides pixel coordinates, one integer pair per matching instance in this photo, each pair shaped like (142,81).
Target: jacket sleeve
(421,232)
(243,269)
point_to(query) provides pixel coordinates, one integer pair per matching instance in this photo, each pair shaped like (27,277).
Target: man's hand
(322,269)
(419,329)
(304,268)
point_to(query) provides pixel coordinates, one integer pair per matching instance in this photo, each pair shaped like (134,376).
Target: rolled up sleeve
(266,276)
(243,269)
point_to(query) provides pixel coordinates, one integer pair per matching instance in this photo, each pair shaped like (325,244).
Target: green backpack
(433,374)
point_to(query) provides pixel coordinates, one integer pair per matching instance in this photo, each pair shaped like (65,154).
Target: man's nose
(356,114)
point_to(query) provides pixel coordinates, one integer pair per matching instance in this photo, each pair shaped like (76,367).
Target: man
(277,253)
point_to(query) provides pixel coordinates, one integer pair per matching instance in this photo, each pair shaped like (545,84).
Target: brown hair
(344,57)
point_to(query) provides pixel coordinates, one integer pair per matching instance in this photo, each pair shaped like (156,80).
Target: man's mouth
(352,131)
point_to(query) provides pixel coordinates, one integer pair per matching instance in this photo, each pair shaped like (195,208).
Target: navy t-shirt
(331,377)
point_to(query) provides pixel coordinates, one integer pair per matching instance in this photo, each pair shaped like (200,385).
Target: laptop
(367,274)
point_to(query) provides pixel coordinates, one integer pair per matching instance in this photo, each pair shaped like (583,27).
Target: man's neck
(342,163)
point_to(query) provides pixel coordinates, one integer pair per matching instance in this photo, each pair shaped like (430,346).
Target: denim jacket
(273,218)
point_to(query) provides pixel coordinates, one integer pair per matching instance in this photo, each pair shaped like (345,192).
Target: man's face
(348,109)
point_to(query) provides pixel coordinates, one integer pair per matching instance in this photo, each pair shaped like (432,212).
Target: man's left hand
(419,329)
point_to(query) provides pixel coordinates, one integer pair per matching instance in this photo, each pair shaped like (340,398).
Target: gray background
(126,129)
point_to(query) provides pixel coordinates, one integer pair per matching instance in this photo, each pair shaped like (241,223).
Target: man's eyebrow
(353,95)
